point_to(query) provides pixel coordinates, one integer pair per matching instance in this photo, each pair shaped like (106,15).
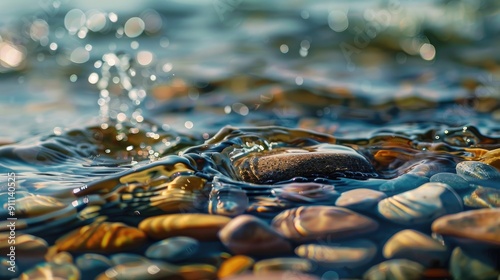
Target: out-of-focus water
(92,88)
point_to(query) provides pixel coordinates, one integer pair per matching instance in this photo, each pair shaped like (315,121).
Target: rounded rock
(483,197)
(475,226)
(56,271)
(249,235)
(307,223)
(92,265)
(420,206)
(202,227)
(142,270)
(396,269)
(346,254)
(451,179)
(478,172)
(282,264)
(360,199)
(173,249)
(473,265)
(416,246)
(492,158)
(235,265)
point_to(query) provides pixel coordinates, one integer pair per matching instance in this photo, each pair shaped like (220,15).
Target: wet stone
(453,180)
(396,269)
(479,173)
(28,247)
(360,199)
(249,235)
(483,197)
(227,201)
(91,265)
(102,237)
(124,258)
(235,265)
(473,265)
(346,254)
(308,223)
(282,264)
(475,226)
(33,206)
(403,183)
(420,206)
(173,249)
(198,271)
(416,246)
(275,276)
(328,161)
(202,227)
(306,192)
(492,158)
(56,271)
(153,270)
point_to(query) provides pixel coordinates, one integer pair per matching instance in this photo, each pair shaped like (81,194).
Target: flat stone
(483,197)
(92,265)
(403,183)
(396,269)
(360,199)
(154,270)
(173,249)
(328,161)
(198,271)
(416,246)
(345,254)
(102,237)
(249,235)
(235,265)
(479,173)
(282,264)
(199,226)
(473,265)
(451,179)
(420,206)
(307,223)
(482,226)
(27,246)
(56,271)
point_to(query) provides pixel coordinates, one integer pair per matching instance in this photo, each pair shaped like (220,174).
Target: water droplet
(73,78)
(144,58)
(134,27)
(93,78)
(427,51)
(299,80)
(189,124)
(284,48)
(338,21)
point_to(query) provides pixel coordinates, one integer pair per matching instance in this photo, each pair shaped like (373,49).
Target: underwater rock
(396,269)
(307,223)
(154,270)
(173,249)
(227,201)
(328,161)
(478,226)
(478,173)
(416,246)
(345,254)
(420,206)
(465,265)
(202,227)
(91,265)
(198,271)
(235,265)
(492,158)
(403,183)
(483,197)
(102,237)
(306,192)
(248,235)
(453,180)
(360,199)
(282,264)
(56,271)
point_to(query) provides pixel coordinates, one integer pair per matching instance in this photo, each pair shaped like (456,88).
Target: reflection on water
(112,113)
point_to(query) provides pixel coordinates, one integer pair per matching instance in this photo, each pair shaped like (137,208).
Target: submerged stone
(473,265)
(307,223)
(480,226)
(195,225)
(235,265)
(346,254)
(360,199)
(56,271)
(281,164)
(282,264)
(142,270)
(248,235)
(478,172)
(92,265)
(173,249)
(403,183)
(453,180)
(420,206)
(416,246)
(396,269)
(483,197)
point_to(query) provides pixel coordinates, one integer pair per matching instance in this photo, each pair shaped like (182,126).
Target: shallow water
(115,111)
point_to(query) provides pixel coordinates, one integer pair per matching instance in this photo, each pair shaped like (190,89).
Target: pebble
(308,223)
(124,258)
(465,265)
(328,161)
(249,235)
(396,269)
(479,226)
(102,237)
(235,265)
(28,247)
(360,199)
(416,246)
(91,265)
(33,206)
(306,192)
(479,173)
(483,197)
(53,270)
(492,158)
(403,183)
(198,271)
(203,227)
(282,264)
(346,254)
(227,201)
(420,206)
(173,249)
(275,276)
(453,180)
(153,270)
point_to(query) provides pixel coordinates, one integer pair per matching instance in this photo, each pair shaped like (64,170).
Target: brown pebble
(199,226)
(307,223)
(235,265)
(492,158)
(102,237)
(360,199)
(482,225)
(249,235)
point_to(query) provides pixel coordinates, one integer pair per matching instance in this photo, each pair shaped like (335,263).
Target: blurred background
(341,67)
